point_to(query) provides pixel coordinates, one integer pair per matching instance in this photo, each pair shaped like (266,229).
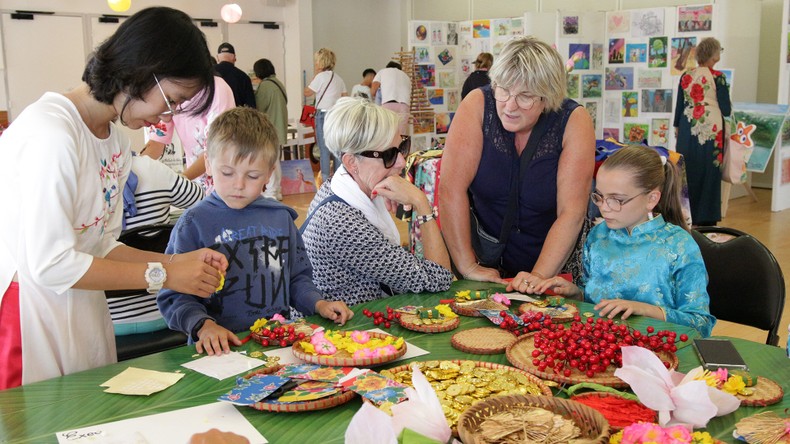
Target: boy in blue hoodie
(268,271)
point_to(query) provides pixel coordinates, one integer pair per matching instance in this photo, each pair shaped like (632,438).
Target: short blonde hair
(527,62)
(484,60)
(354,125)
(245,130)
(325,59)
(706,49)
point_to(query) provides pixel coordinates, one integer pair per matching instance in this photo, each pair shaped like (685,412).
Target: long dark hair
(651,172)
(157,41)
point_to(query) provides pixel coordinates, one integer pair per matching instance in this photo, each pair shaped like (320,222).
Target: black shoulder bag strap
(526,157)
(331,198)
(322,94)
(278,87)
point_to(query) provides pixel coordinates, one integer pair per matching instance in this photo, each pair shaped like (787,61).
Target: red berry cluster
(280,335)
(592,346)
(530,322)
(379,318)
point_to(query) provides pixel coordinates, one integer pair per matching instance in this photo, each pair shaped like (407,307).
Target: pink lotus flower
(360,337)
(278,317)
(502,299)
(325,348)
(386,351)
(363,353)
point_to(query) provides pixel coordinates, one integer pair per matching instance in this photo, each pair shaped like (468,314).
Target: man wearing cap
(237,79)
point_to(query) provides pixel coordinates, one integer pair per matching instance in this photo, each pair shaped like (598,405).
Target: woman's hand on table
(560,287)
(480,273)
(215,339)
(526,282)
(336,311)
(216,436)
(612,307)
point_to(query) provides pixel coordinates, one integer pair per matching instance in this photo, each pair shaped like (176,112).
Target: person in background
(191,130)
(482,159)
(479,77)
(395,87)
(238,80)
(703,100)
(269,271)
(644,243)
(349,233)
(270,99)
(363,89)
(64,166)
(327,86)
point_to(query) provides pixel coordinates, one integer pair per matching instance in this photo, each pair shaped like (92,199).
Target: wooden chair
(746,284)
(151,238)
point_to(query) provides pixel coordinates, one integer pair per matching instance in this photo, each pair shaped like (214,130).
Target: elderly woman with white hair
(350,236)
(521,157)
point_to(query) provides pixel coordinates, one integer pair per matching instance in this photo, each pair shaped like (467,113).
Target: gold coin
(521,378)
(465,399)
(454,390)
(431,364)
(447,365)
(467,367)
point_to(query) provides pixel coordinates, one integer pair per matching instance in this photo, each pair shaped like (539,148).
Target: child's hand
(215,339)
(336,311)
(611,307)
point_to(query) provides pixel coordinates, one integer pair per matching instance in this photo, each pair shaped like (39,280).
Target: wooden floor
(755,218)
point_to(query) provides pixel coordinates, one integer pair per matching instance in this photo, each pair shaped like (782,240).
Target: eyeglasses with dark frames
(390,155)
(614,203)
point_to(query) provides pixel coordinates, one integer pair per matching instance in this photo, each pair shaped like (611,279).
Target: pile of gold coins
(459,385)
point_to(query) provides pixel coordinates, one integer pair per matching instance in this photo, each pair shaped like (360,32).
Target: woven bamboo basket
(766,392)
(556,315)
(593,426)
(343,359)
(483,340)
(407,321)
(472,308)
(305,406)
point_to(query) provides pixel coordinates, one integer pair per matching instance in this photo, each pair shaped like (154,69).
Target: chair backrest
(746,284)
(146,237)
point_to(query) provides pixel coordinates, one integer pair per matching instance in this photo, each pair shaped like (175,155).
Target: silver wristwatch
(155,275)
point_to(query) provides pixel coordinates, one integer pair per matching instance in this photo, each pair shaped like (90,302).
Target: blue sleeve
(691,301)
(723,95)
(304,293)
(679,103)
(182,311)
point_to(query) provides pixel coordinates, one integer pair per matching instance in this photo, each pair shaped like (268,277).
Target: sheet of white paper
(285,354)
(224,365)
(166,428)
(515,296)
(412,351)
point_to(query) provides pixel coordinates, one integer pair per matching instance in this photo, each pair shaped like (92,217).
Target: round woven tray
(556,315)
(519,354)
(594,428)
(766,392)
(483,340)
(615,424)
(263,371)
(407,322)
(299,327)
(305,406)
(471,308)
(343,359)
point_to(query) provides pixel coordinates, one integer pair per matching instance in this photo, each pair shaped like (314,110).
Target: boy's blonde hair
(246,130)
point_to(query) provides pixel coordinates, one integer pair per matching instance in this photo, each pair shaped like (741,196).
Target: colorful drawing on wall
(467,45)
(656,100)
(591,86)
(297,177)
(422,54)
(729,74)
(580,54)
(647,22)
(499,45)
(619,78)
(467,66)
(516,27)
(501,27)
(695,18)
(419,32)
(657,52)
(435,96)
(570,25)
(447,79)
(482,45)
(630,104)
(617,22)
(427,74)
(616,50)
(481,29)
(636,52)
(648,78)
(611,133)
(592,109)
(659,132)
(453,98)
(423,125)
(466,28)
(445,56)
(573,86)
(768,120)
(437,33)
(452,33)
(635,132)
(611,109)
(596,59)
(683,50)
(443,121)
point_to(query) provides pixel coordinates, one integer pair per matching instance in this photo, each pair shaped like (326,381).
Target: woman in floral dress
(703,100)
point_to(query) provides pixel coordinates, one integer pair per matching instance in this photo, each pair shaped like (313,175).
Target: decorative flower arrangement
(278,331)
(720,379)
(358,344)
(502,299)
(644,432)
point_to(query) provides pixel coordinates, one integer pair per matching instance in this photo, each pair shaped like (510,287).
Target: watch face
(157,275)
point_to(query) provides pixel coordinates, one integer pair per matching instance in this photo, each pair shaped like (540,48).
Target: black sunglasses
(390,155)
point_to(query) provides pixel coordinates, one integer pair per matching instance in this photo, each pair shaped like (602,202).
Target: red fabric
(10,339)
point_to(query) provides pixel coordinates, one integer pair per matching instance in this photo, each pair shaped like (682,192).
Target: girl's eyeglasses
(390,155)
(614,203)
